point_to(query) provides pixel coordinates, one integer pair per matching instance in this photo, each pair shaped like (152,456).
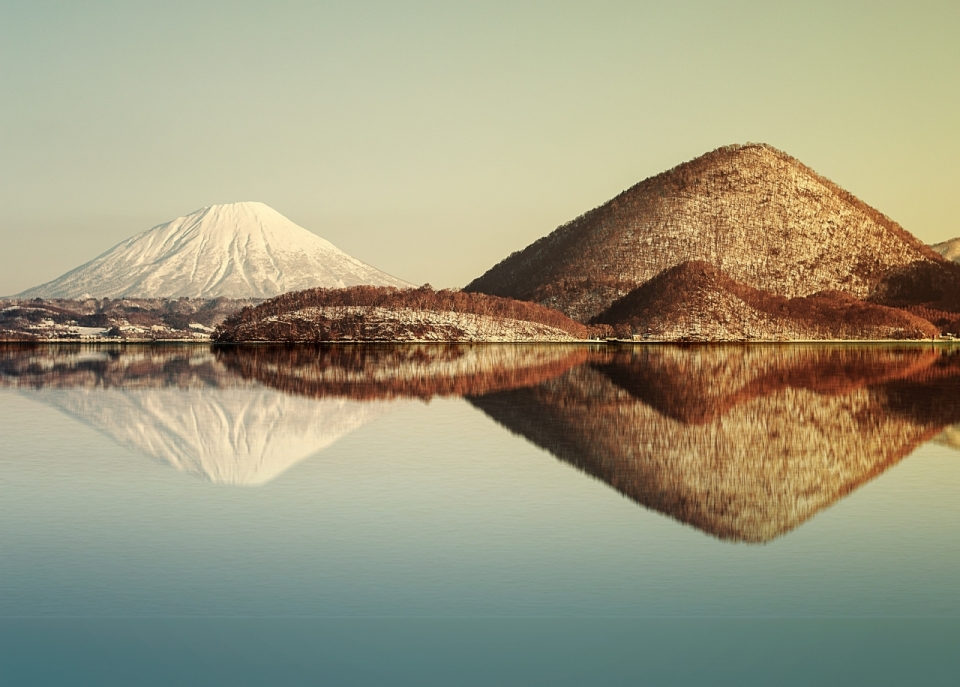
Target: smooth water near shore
(493,482)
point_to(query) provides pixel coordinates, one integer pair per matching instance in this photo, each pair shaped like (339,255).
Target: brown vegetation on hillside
(752,211)
(921,283)
(698,302)
(370,313)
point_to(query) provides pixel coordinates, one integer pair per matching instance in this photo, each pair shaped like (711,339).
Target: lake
(444,493)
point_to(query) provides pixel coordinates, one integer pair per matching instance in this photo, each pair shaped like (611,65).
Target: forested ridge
(387,313)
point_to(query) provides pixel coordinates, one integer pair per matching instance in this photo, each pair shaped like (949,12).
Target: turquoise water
(453,496)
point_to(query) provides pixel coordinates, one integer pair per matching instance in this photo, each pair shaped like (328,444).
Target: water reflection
(404,371)
(742,442)
(180,406)
(245,415)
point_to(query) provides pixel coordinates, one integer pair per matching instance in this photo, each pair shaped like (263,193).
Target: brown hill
(370,313)
(756,213)
(695,301)
(356,372)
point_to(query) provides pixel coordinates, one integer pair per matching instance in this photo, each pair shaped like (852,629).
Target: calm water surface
(480,481)
(484,480)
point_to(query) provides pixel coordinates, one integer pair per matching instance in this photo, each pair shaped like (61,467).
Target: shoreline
(419,342)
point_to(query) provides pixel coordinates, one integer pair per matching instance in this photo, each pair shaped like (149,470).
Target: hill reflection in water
(742,442)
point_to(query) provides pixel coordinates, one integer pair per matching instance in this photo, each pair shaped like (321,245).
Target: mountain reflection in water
(742,442)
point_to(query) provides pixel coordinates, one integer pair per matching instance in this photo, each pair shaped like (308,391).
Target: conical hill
(754,212)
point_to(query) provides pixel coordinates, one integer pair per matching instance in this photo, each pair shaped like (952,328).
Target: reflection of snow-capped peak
(236,250)
(244,436)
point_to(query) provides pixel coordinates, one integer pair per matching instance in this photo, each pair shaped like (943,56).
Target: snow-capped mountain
(236,250)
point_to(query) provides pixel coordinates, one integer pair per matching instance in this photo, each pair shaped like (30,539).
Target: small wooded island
(384,313)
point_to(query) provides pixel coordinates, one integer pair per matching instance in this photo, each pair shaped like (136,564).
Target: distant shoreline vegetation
(114,319)
(692,303)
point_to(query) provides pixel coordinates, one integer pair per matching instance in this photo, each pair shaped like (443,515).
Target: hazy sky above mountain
(432,139)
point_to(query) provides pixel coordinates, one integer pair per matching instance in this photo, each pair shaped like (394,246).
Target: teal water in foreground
(402,509)
(471,652)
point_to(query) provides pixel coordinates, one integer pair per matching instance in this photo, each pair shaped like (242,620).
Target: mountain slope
(237,250)
(758,214)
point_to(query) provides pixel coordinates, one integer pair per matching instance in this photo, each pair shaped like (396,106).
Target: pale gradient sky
(432,139)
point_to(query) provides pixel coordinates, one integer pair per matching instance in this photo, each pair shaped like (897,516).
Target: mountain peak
(234,250)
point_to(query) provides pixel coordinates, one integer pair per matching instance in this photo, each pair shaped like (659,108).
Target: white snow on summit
(236,250)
